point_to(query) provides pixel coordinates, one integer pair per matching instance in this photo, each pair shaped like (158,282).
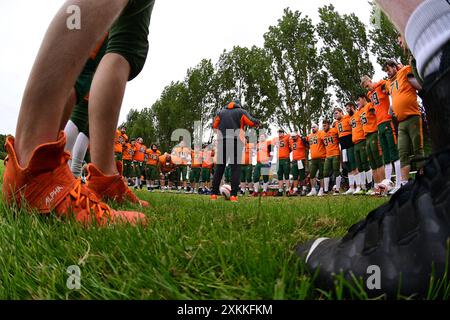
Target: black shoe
(406,238)
(279,194)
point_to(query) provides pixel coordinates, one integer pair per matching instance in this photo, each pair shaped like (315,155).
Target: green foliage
(345,51)
(2,146)
(297,69)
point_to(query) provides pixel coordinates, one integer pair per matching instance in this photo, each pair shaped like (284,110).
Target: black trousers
(228,150)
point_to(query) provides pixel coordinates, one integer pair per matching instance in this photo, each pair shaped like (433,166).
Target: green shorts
(181,173)
(296,172)
(261,168)
(361,156)
(151,172)
(373,150)
(127,168)
(206,174)
(317,165)
(284,169)
(351,163)
(194,175)
(128,36)
(332,166)
(118,156)
(410,140)
(80,117)
(227,174)
(246,174)
(139,169)
(388,142)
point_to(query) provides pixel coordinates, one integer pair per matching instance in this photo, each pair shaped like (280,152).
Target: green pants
(373,150)
(246,174)
(361,156)
(151,172)
(194,175)
(284,169)
(388,142)
(139,169)
(128,35)
(127,168)
(410,140)
(206,174)
(259,169)
(181,173)
(296,172)
(317,165)
(351,159)
(332,166)
(118,156)
(227,174)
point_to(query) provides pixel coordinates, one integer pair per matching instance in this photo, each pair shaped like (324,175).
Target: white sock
(71,131)
(295,189)
(79,152)
(136,182)
(280,189)
(265,186)
(369,176)
(388,171)
(362,179)
(338,183)
(398,173)
(256,186)
(351,181)
(427,30)
(358,179)
(326,184)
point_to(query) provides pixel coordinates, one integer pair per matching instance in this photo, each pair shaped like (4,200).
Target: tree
(141,124)
(2,146)
(345,51)
(384,38)
(297,70)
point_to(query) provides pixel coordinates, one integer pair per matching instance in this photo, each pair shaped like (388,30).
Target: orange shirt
(369,119)
(283,146)
(128,152)
(208,158)
(404,96)
(357,128)
(344,127)
(298,149)
(380,99)
(166,166)
(119,141)
(331,141)
(181,155)
(247,153)
(139,152)
(152,157)
(197,158)
(262,151)
(316,145)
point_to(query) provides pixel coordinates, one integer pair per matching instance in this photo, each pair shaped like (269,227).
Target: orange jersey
(182,155)
(368,119)
(263,152)
(298,149)
(197,158)
(343,126)
(152,157)
(316,145)
(128,152)
(283,146)
(208,158)
(139,152)
(380,99)
(247,153)
(404,96)
(357,128)
(166,166)
(119,141)
(331,141)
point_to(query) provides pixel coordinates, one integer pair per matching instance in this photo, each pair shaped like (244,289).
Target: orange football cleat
(47,184)
(214,197)
(113,188)
(233,199)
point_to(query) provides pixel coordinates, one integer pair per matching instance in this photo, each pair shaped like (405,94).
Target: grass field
(191,249)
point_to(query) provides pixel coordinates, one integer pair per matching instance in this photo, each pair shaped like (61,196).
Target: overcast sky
(181,34)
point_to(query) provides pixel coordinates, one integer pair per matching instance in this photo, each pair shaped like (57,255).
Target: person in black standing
(230,123)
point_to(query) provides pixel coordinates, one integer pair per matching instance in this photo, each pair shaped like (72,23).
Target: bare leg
(105,101)
(68,109)
(60,59)
(399,11)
